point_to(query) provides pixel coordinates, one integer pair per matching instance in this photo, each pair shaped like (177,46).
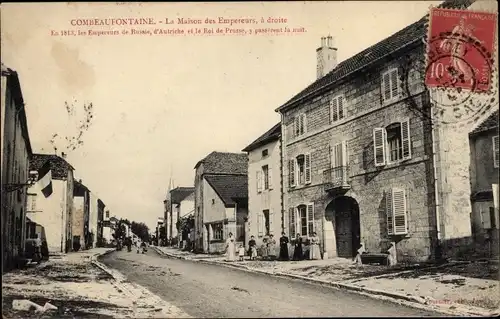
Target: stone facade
(15,154)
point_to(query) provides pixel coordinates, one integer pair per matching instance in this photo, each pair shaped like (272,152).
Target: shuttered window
(292,222)
(405,139)
(300,124)
(310,219)
(271,222)
(379,146)
(337,108)
(390,85)
(259,181)
(291,172)
(307,168)
(260,224)
(270,177)
(397,214)
(496,158)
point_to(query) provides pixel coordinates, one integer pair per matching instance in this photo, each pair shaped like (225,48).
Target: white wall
(214,208)
(93,218)
(51,214)
(267,199)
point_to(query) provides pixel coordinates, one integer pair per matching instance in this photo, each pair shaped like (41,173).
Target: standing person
(284,247)
(314,251)
(263,248)
(252,248)
(241,252)
(230,248)
(297,253)
(271,247)
(38,248)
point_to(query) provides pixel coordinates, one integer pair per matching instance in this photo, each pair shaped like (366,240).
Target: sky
(162,103)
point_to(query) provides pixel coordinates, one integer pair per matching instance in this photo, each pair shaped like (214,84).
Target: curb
(407,300)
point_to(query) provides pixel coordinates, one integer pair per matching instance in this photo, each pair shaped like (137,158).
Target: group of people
(268,249)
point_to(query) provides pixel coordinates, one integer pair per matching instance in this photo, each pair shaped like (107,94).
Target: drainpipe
(282,182)
(436,182)
(63,229)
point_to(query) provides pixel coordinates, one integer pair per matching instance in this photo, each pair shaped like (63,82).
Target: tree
(141,230)
(119,230)
(79,122)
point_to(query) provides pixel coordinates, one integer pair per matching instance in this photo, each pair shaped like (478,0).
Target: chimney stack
(63,155)
(326,57)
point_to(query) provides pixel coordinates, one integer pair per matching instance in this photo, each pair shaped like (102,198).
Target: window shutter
(270,177)
(379,146)
(389,213)
(291,172)
(291,219)
(386,86)
(271,219)
(394,83)
(341,107)
(297,126)
(298,221)
(259,181)
(345,158)
(496,158)
(304,123)
(260,224)
(307,167)
(399,211)
(334,109)
(310,219)
(405,139)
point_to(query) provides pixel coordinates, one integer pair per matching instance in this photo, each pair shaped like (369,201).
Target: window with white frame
(390,85)
(299,170)
(301,220)
(217,231)
(300,125)
(392,143)
(264,178)
(31,203)
(396,212)
(496,158)
(337,108)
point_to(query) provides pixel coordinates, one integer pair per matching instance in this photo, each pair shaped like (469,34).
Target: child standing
(241,252)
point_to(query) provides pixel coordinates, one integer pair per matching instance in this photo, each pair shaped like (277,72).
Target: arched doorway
(346,222)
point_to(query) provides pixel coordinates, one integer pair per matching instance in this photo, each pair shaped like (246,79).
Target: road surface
(204,290)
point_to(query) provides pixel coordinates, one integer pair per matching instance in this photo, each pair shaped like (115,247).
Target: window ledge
(215,241)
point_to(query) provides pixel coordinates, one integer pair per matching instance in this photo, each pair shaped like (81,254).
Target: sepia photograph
(250,159)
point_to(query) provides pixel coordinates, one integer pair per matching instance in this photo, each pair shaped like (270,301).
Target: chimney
(326,57)
(63,155)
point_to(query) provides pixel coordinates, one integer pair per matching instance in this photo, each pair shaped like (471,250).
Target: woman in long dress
(264,249)
(297,253)
(271,247)
(314,252)
(230,248)
(284,247)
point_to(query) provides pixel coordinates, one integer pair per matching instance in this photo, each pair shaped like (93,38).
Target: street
(204,290)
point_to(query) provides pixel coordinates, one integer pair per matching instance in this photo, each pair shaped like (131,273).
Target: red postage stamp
(460,49)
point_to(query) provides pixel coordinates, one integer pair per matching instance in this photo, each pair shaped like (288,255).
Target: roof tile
(229,187)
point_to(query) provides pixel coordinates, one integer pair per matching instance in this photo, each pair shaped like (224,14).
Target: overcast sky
(162,103)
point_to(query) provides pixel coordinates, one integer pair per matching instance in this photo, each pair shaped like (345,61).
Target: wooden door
(343,231)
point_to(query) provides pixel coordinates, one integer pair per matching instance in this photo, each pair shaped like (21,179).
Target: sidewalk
(78,285)
(457,288)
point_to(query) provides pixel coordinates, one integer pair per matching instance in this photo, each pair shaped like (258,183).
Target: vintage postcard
(250,159)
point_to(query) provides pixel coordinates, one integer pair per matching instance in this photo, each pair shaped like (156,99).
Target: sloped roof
(272,135)
(178,194)
(490,123)
(229,187)
(79,188)
(224,163)
(14,85)
(58,165)
(410,34)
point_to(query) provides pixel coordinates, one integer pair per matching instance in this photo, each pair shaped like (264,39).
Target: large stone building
(362,162)
(15,155)
(54,213)
(264,186)
(214,164)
